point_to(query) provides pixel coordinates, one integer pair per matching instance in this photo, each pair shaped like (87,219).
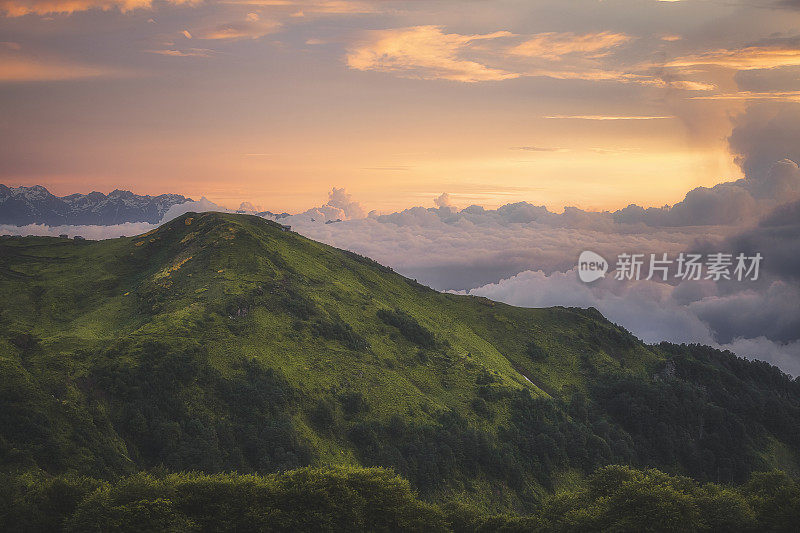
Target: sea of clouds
(526,255)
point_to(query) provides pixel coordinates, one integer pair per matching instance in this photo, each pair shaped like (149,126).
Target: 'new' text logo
(591,266)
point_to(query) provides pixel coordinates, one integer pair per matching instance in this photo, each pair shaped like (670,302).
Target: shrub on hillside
(409,327)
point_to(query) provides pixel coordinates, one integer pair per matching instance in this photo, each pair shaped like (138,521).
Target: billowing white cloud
(785,356)
(200,206)
(340,199)
(525,255)
(451,249)
(340,206)
(92,232)
(249,208)
(443,200)
(734,202)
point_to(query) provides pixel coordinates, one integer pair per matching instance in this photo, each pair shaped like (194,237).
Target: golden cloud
(424,52)
(427,52)
(749,58)
(565,72)
(191,52)
(554,45)
(300,7)
(18,8)
(16,67)
(609,117)
(779,96)
(250,28)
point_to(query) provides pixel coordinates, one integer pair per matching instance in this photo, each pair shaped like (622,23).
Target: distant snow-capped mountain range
(36,205)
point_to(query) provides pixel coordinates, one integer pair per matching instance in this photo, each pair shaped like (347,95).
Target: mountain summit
(36,205)
(223,342)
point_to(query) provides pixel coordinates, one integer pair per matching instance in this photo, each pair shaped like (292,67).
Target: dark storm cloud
(765,145)
(763,135)
(777,237)
(770,311)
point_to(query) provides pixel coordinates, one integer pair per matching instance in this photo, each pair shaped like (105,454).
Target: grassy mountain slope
(220,342)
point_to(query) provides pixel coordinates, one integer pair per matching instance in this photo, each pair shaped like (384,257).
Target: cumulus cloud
(763,141)
(340,206)
(765,134)
(735,202)
(249,207)
(776,236)
(199,206)
(768,311)
(443,200)
(340,199)
(451,249)
(525,255)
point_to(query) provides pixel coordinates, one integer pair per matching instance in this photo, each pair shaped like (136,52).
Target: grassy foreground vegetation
(614,498)
(219,343)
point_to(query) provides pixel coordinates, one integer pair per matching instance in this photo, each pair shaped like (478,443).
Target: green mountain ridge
(221,343)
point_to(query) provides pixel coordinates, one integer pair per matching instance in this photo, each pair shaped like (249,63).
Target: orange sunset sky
(595,104)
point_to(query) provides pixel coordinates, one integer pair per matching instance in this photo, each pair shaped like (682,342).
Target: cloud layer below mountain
(525,255)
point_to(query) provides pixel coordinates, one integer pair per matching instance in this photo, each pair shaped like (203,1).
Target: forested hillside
(222,343)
